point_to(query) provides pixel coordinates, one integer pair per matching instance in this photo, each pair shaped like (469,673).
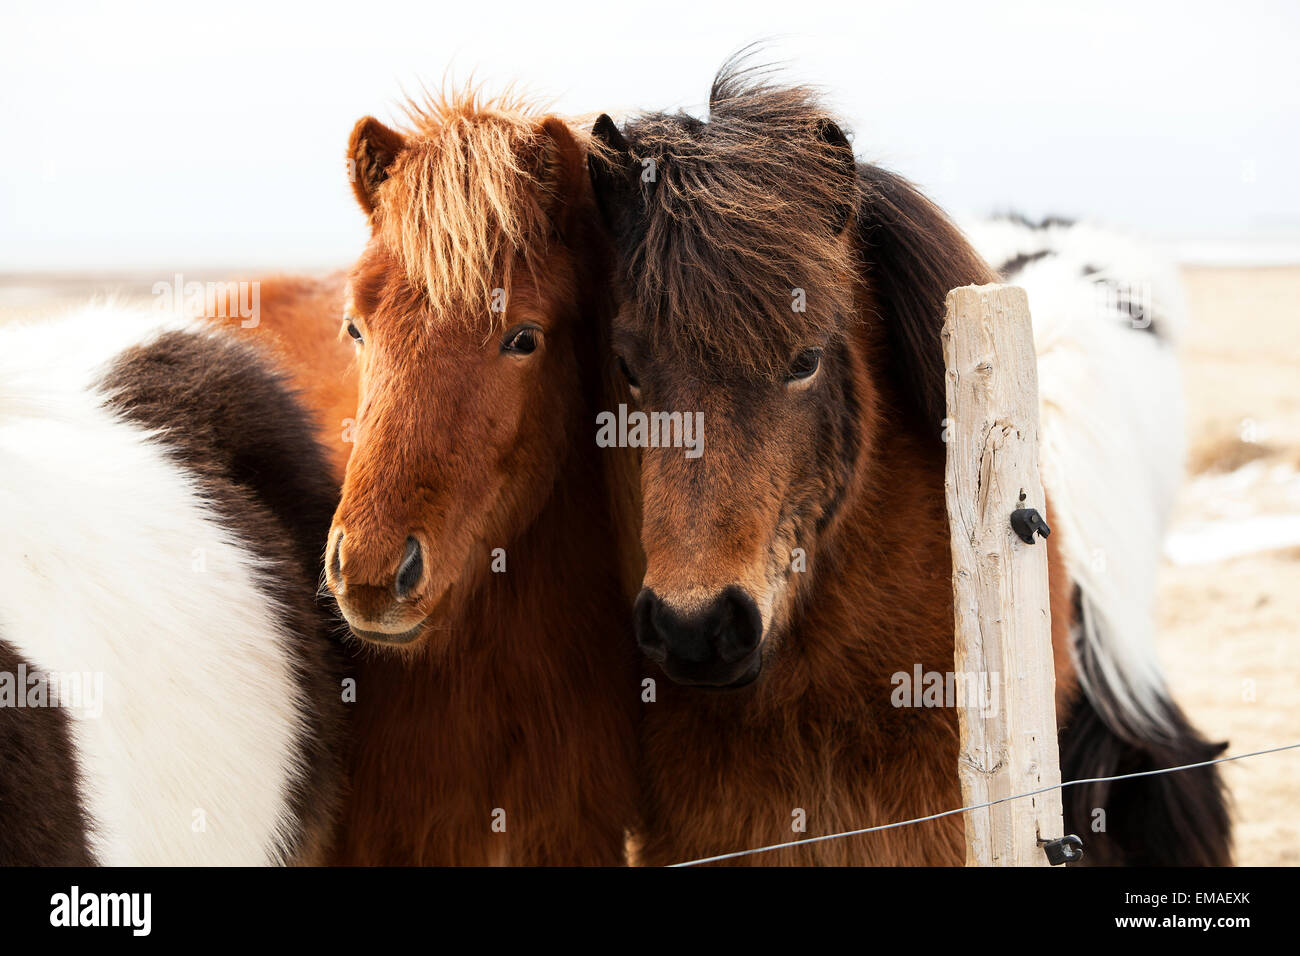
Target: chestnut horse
(472,552)
(794,297)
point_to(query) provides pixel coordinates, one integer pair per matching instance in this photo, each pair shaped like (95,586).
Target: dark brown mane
(743,211)
(913,256)
(741,214)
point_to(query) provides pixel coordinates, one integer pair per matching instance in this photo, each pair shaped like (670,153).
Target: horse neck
(880,600)
(880,596)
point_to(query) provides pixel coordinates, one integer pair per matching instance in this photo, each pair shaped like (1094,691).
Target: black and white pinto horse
(1108,314)
(169,690)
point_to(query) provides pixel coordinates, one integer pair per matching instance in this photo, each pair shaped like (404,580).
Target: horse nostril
(649,638)
(727,630)
(411,570)
(336,559)
(740,624)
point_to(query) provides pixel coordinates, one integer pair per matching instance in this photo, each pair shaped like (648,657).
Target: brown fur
(519,692)
(298,329)
(846,466)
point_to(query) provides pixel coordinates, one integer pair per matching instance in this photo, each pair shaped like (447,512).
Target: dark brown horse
(801,564)
(472,552)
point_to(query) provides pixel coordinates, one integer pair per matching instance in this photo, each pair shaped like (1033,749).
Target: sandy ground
(1228,624)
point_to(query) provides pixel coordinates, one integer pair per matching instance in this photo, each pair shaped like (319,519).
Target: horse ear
(561,171)
(607,131)
(372,147)
(843,163)
(613,172)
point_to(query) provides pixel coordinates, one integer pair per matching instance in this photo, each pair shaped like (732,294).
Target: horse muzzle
(715,645)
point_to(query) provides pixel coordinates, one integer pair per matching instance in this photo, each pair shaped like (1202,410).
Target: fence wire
(978,806)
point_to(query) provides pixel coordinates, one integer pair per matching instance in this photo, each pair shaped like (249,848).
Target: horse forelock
(738,256)
(465,203)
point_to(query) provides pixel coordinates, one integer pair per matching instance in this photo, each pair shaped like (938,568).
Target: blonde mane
(468,195)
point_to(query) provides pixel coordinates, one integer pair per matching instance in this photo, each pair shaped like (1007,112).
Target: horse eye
(627,373)
(354,331)
(521,341)
(805,365)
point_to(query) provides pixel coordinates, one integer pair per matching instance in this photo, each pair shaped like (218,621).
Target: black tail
(1172,819)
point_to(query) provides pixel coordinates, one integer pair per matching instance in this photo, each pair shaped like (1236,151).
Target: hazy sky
(161,135)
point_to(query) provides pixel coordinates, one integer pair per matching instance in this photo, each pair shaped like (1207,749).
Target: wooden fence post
(999,583)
